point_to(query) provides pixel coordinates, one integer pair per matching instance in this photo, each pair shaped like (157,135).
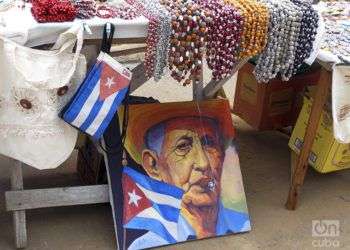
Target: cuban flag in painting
(151,205)
(99,96)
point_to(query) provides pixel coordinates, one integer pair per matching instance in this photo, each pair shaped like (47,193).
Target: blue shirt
(229,221)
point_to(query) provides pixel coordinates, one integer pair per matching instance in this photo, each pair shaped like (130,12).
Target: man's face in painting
(188,153)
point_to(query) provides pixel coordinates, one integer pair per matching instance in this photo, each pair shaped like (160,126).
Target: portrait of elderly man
(185,146)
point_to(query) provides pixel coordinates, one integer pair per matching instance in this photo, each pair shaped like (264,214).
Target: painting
(182,181)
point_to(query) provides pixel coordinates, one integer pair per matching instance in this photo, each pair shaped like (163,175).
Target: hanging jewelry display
(86,9)
(151,39)
(256,18)
(188,40)
(107,10)
(158,38)
(295,16)
(308,31)
(269,61)
(224,33)
(53,11)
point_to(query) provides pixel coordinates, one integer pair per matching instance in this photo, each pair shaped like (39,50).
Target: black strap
(107,39)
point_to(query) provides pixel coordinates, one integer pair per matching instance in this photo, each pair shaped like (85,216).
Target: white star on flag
(134,198)
(110,82)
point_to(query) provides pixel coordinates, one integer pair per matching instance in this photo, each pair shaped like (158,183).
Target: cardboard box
(273,105)
(327,155)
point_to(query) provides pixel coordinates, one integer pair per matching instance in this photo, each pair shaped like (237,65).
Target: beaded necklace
(224,33)
(291,38)
(188,40)
(280,53)
(254,36)
(292,29)
(158,38)
(107,10)
(269,61)
(307,34)
(53,11)
(152,36)
(163,31)
(85,8)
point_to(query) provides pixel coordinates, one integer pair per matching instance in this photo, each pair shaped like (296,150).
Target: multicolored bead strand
(224,33)
(269,61)
(85,8)
(152,36)
(295,15)
(188,40)
(308,31)
(255,18)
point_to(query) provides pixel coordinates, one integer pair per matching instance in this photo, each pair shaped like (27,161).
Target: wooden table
(299,164)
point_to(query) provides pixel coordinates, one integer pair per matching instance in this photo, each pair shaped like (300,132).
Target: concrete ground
(265,165)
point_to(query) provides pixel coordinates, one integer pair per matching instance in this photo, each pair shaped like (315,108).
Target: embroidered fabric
(34,86)
(30,132)
(19,95)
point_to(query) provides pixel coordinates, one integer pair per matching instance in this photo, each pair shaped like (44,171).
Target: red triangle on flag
(135,199)
(111,81)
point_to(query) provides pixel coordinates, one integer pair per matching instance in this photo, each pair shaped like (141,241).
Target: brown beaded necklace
(188,40)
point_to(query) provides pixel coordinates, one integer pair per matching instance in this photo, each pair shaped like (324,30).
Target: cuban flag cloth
(151,205)
(99,96)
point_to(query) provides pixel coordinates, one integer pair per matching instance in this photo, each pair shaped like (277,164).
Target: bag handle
(66,41)
(107,39)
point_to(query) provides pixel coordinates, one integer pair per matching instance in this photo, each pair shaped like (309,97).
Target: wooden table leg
(19,217)
(302,162)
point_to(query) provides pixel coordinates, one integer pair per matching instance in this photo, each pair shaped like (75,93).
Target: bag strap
(107,40)
(64,43)
(76,35)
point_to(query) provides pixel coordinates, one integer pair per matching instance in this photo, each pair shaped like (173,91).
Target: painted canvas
(182,181)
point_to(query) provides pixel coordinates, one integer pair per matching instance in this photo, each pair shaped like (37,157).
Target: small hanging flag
(99,96)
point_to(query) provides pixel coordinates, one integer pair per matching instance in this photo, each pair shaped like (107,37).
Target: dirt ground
(265,164)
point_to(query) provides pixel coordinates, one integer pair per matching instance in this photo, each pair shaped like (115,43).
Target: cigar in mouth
(207,183)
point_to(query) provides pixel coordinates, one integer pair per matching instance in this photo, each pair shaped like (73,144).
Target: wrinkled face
(191,158)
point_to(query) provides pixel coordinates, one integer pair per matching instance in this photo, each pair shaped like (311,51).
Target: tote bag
(34,86)
(101,93)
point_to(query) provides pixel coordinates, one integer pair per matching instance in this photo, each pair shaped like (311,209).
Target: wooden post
(19,217)
(302,162)
(198,87)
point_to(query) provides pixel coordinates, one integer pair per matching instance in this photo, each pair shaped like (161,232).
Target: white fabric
(20,26)
(341,102)
(37,136)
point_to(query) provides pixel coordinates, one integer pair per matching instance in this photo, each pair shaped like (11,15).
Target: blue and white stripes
(162,217)
(88,111)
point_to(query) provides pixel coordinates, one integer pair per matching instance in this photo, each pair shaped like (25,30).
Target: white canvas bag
(34,86)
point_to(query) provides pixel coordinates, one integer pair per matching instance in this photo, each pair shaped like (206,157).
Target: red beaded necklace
(53,11)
